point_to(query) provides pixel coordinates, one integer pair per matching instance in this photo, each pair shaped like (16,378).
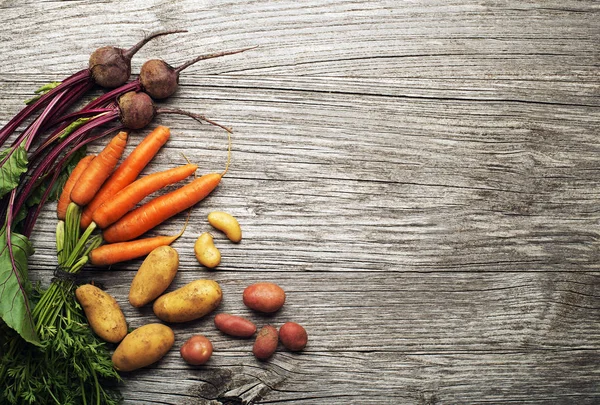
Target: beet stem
(27,136)
(112,95)
(210,56)
(43,167)
(13,124)
(197,117)
(128,54)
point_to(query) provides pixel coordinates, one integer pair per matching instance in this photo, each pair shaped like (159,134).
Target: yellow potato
(192,301)
(206,252)
(226,223)
(154,276)
(103,313)
(142,347)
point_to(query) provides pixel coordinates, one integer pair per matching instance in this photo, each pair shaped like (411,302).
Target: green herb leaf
(13,163)
(14,285)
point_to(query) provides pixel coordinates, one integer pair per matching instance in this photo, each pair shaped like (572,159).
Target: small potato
(293,336)
(103,313)
(192,301)
(264,297)
(266,343)
(206,252)
(144,346)
(226,223)
(235,325)
(196,350)
(154,276)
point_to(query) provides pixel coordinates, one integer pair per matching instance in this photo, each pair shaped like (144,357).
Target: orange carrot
(65,196)
(127,171)
(112,253)
(98,170)
(126,199)
(154,212)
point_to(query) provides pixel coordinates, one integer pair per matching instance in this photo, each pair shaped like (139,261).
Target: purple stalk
(45,165)
(28,135)
(21,116)
(113,95)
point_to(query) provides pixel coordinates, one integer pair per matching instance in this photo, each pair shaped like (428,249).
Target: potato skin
(154,276)
(103,313)
(235,325)
(196,350)
(293,336)
(192,301)
(206,252)
(264,297)
(266,342)
(142,347)
(227,223)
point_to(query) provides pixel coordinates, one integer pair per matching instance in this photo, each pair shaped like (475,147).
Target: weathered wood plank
(421,177)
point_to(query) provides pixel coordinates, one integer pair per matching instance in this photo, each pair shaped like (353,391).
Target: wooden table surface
(421,177)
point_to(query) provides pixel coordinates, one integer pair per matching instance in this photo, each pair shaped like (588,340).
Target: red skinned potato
(293,336)
(264,297)
(266,342)
(235,325)
(196,350)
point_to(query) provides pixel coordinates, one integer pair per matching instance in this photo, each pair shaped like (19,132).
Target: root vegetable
(103,313)
(158,210)
(264,297)
(98,170)
(144,346)
(160,80)
(112,253)
(235,325)
(125,200)
(192,301)
(65,197)
(154,276)
(196,350)
(128,171)
(206,252)
(293,336)
(226,223)
(266,342)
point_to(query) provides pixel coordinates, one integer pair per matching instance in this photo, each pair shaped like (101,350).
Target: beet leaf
(15,308)
(14,164)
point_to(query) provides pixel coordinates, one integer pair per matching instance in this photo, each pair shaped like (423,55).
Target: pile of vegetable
(48,353)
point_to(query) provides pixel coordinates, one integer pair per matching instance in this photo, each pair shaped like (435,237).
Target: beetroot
(160,80)
(136,109)
(110,67)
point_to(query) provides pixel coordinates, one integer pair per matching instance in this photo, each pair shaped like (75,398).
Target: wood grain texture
(421,177)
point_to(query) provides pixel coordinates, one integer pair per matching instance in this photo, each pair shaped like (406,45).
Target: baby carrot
(65,196)
(98,170)
(127,171)
(154,212)
(126,199)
